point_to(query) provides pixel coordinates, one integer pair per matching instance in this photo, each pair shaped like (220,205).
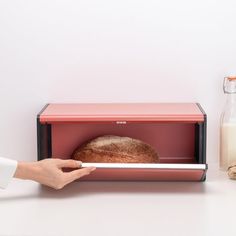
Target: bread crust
(115,149)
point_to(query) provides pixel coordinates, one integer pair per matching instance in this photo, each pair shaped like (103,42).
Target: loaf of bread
(115,149)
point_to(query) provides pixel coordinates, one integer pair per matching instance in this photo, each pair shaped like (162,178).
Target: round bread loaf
(115,149)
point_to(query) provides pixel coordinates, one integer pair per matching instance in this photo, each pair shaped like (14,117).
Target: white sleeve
(7,171)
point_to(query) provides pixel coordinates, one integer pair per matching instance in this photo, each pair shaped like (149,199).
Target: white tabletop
(121,208)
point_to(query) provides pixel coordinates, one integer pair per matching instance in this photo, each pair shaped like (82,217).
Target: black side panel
(44,140)
(201,139)
(197,149)
(44,147)
(203,130)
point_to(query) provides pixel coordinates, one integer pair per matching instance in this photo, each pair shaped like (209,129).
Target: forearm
(26,170)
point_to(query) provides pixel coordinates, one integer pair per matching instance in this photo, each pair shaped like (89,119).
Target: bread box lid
(121,112)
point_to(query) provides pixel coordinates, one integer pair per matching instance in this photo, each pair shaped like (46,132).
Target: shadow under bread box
(177,131)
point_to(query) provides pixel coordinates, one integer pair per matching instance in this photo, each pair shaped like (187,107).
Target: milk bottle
(228,125)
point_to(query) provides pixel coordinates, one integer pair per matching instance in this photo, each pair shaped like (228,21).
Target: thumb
(76,174)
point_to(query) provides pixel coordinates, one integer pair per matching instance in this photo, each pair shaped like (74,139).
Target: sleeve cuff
(7,171)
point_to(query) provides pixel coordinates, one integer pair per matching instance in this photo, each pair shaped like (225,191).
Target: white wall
(111,51)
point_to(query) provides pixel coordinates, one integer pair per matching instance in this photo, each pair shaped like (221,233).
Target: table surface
(121,208)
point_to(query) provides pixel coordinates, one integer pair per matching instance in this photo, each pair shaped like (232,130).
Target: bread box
(177,131)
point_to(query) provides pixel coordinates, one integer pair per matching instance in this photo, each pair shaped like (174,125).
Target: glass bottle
(228,124)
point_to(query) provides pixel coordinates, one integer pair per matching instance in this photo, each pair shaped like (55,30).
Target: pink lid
(121,112)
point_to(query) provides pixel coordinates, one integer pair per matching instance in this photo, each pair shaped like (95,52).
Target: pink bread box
(176,130)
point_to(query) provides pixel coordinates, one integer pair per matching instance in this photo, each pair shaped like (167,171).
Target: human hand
(50,172)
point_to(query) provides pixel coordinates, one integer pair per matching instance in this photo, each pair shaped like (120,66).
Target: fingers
(76,174)
(69,163)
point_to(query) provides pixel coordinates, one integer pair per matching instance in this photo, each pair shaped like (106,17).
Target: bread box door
(147,172)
